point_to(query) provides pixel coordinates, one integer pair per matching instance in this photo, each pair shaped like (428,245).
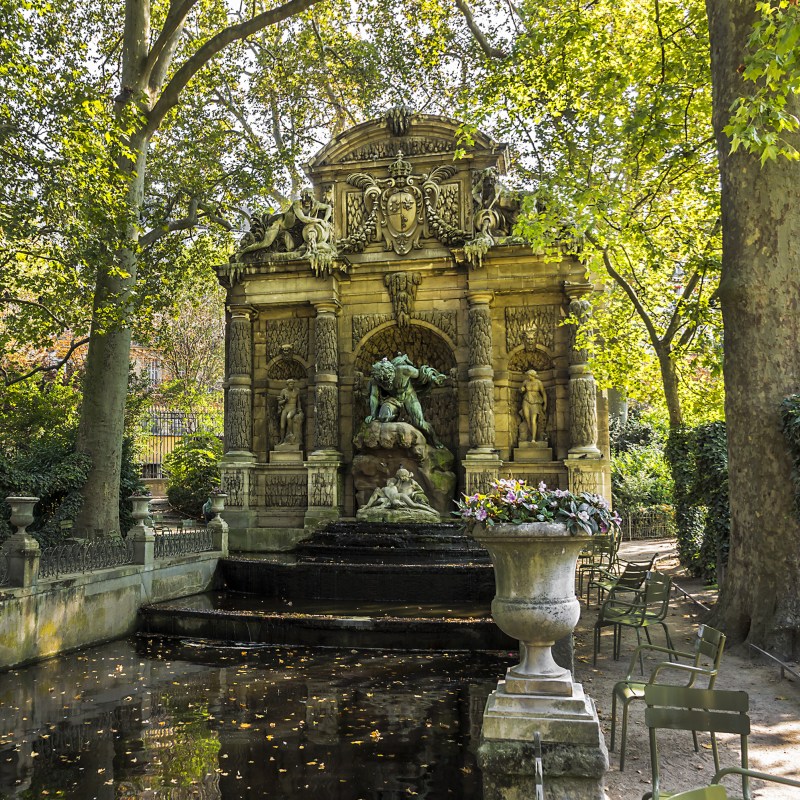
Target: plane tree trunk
(760,299)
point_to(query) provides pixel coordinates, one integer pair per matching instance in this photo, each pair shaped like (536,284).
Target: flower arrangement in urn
(513,501)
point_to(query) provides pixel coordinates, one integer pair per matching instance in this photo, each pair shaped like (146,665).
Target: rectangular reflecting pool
(151,718)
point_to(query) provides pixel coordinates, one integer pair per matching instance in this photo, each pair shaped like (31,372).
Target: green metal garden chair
(631,576)
(600,555)
(717,792)
(637,608)
(703,664)
(712,710)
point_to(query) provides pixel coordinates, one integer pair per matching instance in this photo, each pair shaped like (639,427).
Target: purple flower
(481,514)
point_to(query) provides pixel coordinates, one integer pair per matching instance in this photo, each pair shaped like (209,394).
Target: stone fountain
(390,344)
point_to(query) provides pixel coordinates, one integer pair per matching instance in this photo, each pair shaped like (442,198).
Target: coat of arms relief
(401,209)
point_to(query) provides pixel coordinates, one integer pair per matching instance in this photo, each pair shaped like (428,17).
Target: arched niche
(423,345)
(519,362)
(280,370)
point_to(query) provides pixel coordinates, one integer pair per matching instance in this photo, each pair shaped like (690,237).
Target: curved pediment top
(399,130)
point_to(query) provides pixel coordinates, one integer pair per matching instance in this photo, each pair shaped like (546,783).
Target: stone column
(237,463)
(239,411)
(482,463)
(584,462)
(324,486)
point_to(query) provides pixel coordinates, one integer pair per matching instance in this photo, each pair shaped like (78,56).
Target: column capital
(327,307)
(242,310)
(575,291)
(480,298)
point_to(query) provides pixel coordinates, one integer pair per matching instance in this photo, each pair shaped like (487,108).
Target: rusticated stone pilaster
(238,420)
(481,373)
(326,416)
(481,418)
(326,388)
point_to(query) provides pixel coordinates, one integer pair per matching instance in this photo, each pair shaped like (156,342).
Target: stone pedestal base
(533,452)
(570,771)
(557,717)
(293,455)
(574,754)
(324,488)
(588,475)
(480,470)
(396,515)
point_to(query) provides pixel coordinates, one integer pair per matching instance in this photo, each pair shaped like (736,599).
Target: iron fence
(163,428)
(85,556)
(182,542)
(656,522)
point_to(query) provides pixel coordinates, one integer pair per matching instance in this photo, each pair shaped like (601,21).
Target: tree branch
(171,94)
(172,27)
(489,50)
(189,221)
(629,290)
(9,298)
(73,346)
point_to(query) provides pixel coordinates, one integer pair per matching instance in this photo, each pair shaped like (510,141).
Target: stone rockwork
(383,447)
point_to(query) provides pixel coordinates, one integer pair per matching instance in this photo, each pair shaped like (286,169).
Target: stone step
(231,617)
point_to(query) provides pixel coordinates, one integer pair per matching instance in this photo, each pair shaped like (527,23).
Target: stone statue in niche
(534,405)
(400,500)
(393,388)
(291,420)
(302,230)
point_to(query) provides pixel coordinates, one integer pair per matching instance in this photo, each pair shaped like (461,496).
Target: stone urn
(141,507)
(217,503)
(534,568)
(21,512)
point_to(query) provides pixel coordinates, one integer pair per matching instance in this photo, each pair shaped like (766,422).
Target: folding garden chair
(717,792)
(680,708)
(649,606)
(704,664)
(631,577)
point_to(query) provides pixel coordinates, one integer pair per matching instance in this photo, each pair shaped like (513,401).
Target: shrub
(640,477)
(192,470)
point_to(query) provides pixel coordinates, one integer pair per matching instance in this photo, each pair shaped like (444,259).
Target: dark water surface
(170,721)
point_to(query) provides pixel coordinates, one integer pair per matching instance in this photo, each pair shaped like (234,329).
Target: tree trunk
(669,379)
(760,298)
(105,390)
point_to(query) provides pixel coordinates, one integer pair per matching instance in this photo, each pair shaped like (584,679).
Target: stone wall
(66,613)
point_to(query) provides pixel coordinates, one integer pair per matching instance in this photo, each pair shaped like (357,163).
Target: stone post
(482,463)
(324,490)
(22,550)
(217,526)
(239,459)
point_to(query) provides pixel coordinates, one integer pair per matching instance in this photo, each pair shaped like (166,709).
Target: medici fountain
(391,344)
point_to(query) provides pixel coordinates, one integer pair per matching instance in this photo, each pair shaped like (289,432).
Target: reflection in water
(178,721)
